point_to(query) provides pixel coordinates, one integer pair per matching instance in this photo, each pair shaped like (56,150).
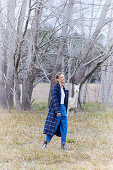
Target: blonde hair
(57,75)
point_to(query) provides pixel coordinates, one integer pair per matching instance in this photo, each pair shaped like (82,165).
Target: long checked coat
(54,108)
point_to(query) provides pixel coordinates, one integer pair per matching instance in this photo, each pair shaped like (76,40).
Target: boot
(44,145)
(63,146)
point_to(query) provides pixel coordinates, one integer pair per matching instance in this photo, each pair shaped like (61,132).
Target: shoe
(44,145)
(63,146)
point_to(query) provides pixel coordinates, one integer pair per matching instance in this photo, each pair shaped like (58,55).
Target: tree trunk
(17,92)
(106,83)
(27,88)
(85,93)
(9,92)
(10,52)
(3,99)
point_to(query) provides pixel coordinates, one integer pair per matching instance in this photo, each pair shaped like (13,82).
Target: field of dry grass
(41,92)
(89,139)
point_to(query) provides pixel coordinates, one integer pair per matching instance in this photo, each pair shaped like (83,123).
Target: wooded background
(38,38)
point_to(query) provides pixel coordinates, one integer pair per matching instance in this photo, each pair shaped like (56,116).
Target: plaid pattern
(54,108)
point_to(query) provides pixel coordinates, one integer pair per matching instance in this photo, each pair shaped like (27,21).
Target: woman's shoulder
(55,87)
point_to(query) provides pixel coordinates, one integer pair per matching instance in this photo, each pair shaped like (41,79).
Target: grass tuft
(70,140)
(40,106)
(93,107)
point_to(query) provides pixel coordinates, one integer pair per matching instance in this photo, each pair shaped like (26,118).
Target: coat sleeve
(55,100)
(66,99)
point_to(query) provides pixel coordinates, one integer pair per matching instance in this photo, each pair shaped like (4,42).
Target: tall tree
(20,35)
(10,31)
(63,39)
(79,74)
(31,72)
(101,23)
(107,70)
(3,99)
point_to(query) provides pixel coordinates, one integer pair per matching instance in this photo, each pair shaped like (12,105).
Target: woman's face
(61,79)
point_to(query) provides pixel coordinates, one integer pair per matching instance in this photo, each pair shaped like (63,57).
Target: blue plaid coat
(54,108)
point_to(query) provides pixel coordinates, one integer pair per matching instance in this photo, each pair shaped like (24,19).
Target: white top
(62,96)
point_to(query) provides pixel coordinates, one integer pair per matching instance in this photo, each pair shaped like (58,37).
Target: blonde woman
(56,121)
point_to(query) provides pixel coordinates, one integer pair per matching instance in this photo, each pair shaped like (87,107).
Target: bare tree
(63,40)
(10,30)
(30,73)
(34,50)
(3,101)
(107,70)
(79,74)
(19,40)
(101,23)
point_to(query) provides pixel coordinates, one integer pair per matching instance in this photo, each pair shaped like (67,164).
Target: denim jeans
(62,122)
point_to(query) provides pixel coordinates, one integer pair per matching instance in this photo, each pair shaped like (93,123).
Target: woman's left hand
(58,114)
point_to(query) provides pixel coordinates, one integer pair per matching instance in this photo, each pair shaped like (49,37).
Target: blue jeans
(62,120)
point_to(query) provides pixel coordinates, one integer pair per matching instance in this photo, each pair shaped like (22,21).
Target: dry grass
(41,92)
(89,139)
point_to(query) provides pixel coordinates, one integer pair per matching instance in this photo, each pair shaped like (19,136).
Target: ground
(89,141)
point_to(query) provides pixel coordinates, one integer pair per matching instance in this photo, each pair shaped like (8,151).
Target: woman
(56,121)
